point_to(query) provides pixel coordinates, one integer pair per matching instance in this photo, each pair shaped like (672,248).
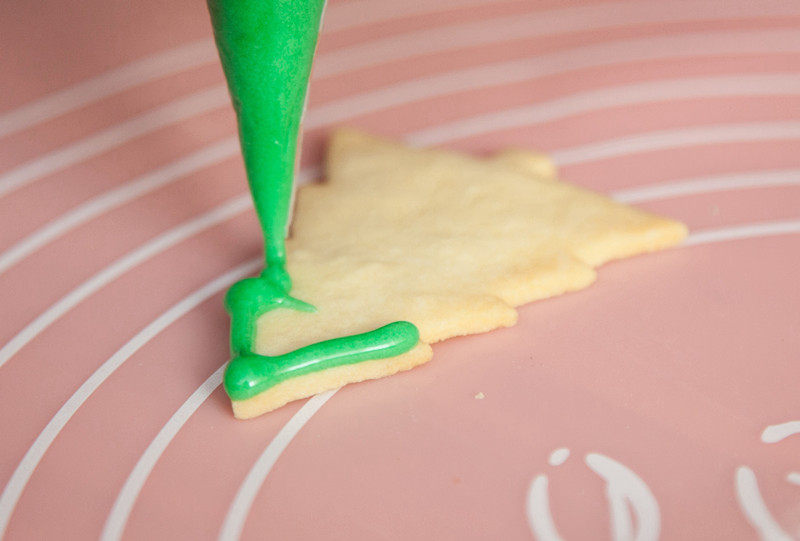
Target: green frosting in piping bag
(267,48)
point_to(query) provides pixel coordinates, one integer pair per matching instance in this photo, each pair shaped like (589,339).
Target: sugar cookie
(445,241)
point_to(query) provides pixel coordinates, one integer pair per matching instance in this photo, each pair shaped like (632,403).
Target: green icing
(266,48)
(251,374)
(246,300)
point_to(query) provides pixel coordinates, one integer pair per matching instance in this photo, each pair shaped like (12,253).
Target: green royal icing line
(266,48)
(252,374)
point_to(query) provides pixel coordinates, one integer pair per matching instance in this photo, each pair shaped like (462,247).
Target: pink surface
(664,376)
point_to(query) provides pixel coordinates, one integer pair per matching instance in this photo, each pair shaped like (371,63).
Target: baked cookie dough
(448,242)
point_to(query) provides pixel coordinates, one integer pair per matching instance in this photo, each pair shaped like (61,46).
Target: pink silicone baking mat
(662,402)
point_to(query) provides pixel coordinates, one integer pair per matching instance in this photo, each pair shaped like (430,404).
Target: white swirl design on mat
(171,237)
(191,55)
(342,17)
(776,433)
(625,491)
(19,479)
(179,110)
(754,508)
(216,97)
(248,490)
(100,204)
(559,456)
(115,523)
(749,496)
(540,519)
(624,488)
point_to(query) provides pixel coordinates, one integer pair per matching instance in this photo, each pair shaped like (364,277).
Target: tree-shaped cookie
(447,242)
